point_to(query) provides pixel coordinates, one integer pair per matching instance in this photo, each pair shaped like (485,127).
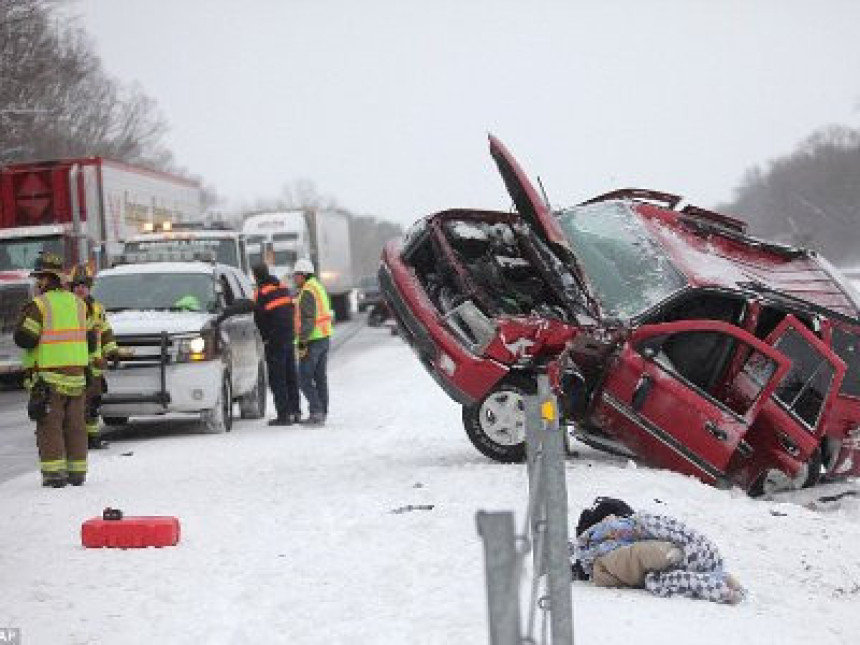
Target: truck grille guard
(144,350)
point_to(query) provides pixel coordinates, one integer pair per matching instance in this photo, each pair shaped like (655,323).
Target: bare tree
(56,99)
(809,198)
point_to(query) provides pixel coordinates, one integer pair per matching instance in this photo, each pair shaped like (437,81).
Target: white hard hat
(303,265)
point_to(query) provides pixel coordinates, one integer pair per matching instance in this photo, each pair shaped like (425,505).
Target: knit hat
(602,508)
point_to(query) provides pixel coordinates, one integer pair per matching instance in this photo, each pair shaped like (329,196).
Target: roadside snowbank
(298,535)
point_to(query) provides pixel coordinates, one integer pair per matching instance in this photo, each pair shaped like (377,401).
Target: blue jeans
(313,379)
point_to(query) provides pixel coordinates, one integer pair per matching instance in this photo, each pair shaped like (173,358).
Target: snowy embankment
(297,535)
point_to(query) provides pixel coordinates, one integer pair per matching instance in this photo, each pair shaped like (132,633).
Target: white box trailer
(323,236)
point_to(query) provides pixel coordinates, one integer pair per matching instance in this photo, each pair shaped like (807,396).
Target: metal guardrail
(544,534)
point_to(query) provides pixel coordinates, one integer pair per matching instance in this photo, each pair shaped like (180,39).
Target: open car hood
(535,211)
(526,199)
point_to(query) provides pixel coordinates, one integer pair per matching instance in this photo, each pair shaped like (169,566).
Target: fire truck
(81,209)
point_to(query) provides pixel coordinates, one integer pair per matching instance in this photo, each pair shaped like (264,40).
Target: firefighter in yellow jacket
(53,332)
(106,349)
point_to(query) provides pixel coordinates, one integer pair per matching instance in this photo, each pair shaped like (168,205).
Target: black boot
(54,480)
(77,479)
(95,442)
(281,421)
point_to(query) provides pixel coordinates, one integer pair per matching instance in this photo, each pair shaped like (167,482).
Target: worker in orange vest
(273,313)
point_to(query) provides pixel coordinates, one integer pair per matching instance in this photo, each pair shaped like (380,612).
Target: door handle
(718,433)
(641,391)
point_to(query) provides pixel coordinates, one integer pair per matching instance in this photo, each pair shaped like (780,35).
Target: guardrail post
(557,559)
(500,557)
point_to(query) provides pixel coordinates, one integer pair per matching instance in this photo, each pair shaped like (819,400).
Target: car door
(240,331)
(661,395)
(805,399)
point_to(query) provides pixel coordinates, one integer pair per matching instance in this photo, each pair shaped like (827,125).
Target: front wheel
(496,425)
(219,418)
(253,404)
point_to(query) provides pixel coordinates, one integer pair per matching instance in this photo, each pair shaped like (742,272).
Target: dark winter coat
(273,311)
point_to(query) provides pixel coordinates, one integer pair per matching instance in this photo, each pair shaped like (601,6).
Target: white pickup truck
(181,350)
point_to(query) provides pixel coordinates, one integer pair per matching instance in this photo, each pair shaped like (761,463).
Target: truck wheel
(219,418)
(340,306)
(253,404)
(496,425)
(115,421)
(775,481)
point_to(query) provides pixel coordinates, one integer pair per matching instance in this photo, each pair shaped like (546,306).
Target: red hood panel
(529,204)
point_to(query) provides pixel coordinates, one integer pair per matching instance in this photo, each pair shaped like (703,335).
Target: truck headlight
(196,348)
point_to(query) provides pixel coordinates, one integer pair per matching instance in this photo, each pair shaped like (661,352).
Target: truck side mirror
(240,306)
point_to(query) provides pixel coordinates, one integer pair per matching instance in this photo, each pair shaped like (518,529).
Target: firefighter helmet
(303,265)
(81,275)
(48,263)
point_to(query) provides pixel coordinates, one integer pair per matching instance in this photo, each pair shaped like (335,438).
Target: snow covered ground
(291,535)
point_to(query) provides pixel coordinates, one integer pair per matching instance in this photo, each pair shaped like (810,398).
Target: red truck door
(805,398)
(664,398)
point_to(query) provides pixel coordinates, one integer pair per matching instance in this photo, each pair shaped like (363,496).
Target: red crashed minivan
(676,338)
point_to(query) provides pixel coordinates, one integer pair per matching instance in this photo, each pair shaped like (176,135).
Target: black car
(368,293)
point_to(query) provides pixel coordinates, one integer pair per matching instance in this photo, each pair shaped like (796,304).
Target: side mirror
(240,306)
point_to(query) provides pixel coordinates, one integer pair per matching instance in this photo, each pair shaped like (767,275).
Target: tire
(340,307)
(219,418)
(496,425)
(115,421)
(775,481)
(814,473)
(253,404)
(376,317)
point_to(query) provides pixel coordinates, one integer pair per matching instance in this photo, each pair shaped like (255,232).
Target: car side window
(805,387)
(227,290)
(240,285)
(701,358)
(847,347)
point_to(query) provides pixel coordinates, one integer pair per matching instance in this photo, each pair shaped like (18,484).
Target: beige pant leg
(627,566)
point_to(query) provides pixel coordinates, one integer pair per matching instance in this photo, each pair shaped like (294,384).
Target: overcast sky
(385,105)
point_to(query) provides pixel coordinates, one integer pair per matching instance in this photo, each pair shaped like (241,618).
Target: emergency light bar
(166,255)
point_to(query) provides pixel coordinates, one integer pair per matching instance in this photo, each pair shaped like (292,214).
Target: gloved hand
(303,350)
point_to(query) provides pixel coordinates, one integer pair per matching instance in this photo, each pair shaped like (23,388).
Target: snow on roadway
(290,535)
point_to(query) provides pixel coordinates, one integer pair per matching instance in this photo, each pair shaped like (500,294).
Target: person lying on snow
(617,547)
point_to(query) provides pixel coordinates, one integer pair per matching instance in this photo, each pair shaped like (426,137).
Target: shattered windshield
(146,291)
(626,268)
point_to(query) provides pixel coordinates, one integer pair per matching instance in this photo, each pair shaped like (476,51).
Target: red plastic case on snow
(130,532)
